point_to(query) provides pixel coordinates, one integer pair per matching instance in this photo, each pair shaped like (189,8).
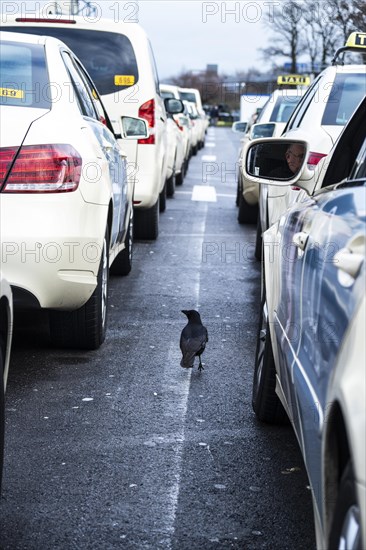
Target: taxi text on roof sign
(356,40)
(294,79)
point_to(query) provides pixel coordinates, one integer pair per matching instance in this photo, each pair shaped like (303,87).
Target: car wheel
(180,176)
(170,186)
(248,213)
(346,525)
(265,402)
(238,193)
(85,328)
(2,413)
(122,265)
(162,199)
(258,241)
(147,223)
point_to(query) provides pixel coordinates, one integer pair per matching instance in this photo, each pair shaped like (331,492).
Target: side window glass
(93,94)
(155,71)
(359,168)
(82,92)
(299,113)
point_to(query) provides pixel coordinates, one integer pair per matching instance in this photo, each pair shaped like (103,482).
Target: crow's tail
(187,360)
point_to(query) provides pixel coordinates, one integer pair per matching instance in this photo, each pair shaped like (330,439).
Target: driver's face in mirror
(294,157)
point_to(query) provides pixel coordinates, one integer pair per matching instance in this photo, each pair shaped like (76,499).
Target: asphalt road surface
(122,448)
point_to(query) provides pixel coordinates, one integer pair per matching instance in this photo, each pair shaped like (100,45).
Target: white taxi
(318,119)
(120,60)
(270,122)
(65,200)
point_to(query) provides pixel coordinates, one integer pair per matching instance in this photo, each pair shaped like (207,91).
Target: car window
(167,95)
(81,91)
(155,71)
(347,92)
(108,57)
(359,168)
(303,106)
(188,96)
(24,78)
(284,108)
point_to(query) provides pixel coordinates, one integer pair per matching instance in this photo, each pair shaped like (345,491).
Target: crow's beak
(184,311)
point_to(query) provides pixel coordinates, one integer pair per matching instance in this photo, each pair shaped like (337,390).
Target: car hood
(15,123)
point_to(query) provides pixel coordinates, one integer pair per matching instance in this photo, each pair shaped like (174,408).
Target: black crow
(193,339)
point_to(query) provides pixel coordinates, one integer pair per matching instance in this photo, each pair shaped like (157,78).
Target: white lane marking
(208,158)
(205,193)
(210,144)
(227,195)
(175,407)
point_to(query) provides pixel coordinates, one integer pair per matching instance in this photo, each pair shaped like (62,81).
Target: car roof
(30,38)
(99,24)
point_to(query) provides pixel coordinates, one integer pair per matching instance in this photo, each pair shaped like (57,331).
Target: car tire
(162,199)
(346,525)
(248,213)
(170,186)
(122,265)
(2,412)
(238,193)
(147,223)
(85,328)
(258,241)
(179,177)
(265,402)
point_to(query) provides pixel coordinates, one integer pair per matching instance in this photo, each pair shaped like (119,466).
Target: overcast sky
(189,34)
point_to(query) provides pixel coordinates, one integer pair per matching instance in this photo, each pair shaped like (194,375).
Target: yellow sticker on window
(9,92)
(124,80)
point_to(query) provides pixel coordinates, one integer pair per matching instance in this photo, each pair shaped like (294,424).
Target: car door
(96,121)
(332,246)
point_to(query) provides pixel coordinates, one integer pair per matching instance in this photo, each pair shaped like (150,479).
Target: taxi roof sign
(356,42)
(294,79)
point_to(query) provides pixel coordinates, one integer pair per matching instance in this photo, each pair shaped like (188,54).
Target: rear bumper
(51,248)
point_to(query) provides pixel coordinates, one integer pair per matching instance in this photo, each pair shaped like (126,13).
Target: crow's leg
(200,367)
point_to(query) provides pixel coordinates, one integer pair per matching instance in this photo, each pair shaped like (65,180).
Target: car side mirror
(262,130)
(239,127)
(134,128)
(173,106)
(276,161)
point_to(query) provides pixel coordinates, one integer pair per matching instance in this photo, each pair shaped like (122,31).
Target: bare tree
(321,34)
(287,40)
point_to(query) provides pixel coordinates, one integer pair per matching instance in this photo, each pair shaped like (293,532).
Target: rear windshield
(284,108)
(347,92)
(188,96)
(23,75)
(167,95)
(108,57)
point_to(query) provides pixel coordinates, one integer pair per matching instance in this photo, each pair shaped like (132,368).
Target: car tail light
(147,112)
(40,169)
(314,158)
(178,123)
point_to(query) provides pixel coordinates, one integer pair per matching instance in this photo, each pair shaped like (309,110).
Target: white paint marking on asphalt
(205,193)
(208,158)
(178,387)
(210,144)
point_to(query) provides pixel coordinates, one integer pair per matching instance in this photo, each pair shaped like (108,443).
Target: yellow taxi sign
(10,92)
(356,40)
(124,80)
(294,79)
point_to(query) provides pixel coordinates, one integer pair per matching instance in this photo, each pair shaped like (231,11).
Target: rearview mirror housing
(134,128)
(173,106)
(280,162)
(239,127)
